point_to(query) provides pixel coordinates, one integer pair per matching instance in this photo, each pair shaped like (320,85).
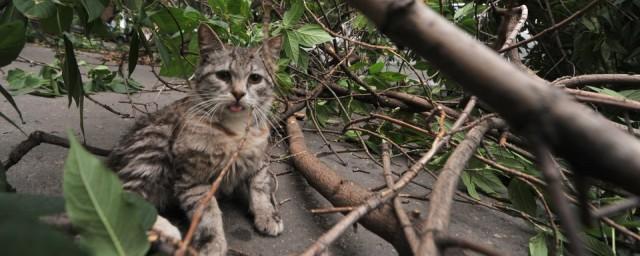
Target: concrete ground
(40,172)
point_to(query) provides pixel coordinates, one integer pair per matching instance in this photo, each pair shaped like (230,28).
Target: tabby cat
(172,156)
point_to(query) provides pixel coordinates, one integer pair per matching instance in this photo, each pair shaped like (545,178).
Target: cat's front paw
(165,228)
(269,224)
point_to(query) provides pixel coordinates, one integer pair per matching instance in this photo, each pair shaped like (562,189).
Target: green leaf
(463,12)
(291,46)
(312,34)
(607,91)
(94,8)
(538,245)
(597,247)
(29,206)
(421,65)
(110,220)
(59,22)
(471,187)
(21,82)
(488,182)
(12,41)
(134,51)
(22,236)
(73,79)
(522,197)
(292,15)
(35,9)
(376,68)
(71,74)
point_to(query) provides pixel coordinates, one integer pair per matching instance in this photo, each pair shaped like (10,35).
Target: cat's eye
(223,75)
(255,78)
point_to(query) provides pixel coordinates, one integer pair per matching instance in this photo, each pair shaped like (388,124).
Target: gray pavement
(40,172)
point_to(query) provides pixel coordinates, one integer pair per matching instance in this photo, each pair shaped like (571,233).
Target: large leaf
(312,34)
(293,14)
(488,182)
(522,197)
(12,41)
(94,8)
(20,236)
(59,22)
(35,9)
(21,233)
(598,247)
(110,220)
(470,185)
(291,46)
(29,206)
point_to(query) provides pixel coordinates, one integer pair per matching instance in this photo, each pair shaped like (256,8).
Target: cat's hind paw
(269,224)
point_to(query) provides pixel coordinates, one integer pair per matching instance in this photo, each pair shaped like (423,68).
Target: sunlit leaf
(293,14)
(538,245)
(376,68)
(291,46)
(312,34)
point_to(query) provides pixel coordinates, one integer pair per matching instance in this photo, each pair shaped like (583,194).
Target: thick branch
(444,190)
(529,105)
(341,192)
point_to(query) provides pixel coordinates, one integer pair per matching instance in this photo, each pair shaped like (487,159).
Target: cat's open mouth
(235,108)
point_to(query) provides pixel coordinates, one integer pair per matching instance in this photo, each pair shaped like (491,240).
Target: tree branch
(38,137)
(441,197)
(529,105)
(341,192)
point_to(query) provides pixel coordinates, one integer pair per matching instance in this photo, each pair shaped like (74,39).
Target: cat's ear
(208,39)
(274,46)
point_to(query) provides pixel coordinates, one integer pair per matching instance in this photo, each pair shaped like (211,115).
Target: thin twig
(559,202)
(107,107)
(202,204)
(403,218)
(38,137)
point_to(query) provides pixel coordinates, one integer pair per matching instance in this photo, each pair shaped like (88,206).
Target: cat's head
(232,82)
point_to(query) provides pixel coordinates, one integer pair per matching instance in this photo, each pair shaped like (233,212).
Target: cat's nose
(238,94)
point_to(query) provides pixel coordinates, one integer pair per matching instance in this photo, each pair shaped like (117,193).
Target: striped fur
(172,156)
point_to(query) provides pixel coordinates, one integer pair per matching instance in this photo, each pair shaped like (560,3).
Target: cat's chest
(213,148)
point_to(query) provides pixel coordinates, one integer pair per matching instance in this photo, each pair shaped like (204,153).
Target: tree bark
(342,192)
